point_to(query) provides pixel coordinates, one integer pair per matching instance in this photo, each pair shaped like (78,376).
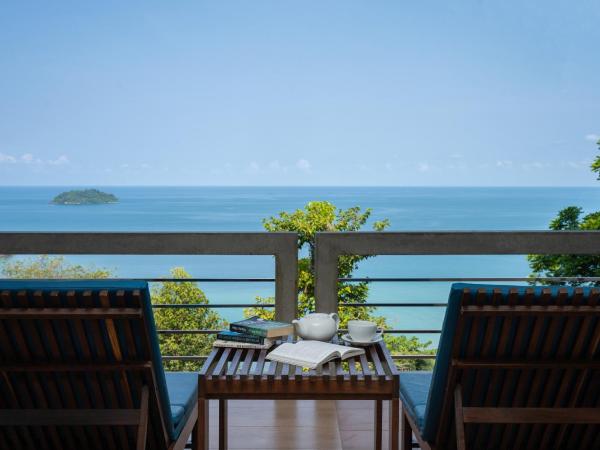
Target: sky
(395,93)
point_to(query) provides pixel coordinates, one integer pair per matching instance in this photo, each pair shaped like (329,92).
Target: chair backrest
(80,345)
(517,347)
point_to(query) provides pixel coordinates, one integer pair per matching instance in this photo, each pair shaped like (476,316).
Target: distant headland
(84,197)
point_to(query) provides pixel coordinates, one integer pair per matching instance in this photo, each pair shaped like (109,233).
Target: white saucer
(349,340)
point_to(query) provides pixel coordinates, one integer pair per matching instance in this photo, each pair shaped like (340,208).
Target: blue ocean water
(243,208)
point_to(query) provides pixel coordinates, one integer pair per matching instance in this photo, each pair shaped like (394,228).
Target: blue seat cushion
(414,389)
(183,394)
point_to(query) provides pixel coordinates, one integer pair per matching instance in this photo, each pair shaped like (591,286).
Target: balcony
(301,424)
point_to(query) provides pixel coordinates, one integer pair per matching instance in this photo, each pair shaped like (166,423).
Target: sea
(245,208)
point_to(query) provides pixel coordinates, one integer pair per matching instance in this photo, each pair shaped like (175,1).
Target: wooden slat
(559,380)
(209,362)
(76,380)
(527,378)
(529,310)
(70,313)
(339,371)
(53,350)
(531,415)
(591,395)
(270,373)
(285,372)
(260,364)
(379,372)
(330,371)
(231,371)
(389,364)
(459,419)
(109,434)
(525,365)
(35,397)
(247,364)
(578,350)
(366,370)
(69,417)
(222,363)
(352,369)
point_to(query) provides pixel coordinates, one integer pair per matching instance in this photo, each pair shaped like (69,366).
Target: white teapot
(317,326)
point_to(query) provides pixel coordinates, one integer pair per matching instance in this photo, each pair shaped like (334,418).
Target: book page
(310,353)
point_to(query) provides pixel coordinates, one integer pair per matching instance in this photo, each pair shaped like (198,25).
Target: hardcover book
(231,344)
(234,336)
(261,327)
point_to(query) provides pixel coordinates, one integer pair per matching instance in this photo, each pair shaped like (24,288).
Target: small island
(84,197)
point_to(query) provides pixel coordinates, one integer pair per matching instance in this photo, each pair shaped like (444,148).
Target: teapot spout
(297,326)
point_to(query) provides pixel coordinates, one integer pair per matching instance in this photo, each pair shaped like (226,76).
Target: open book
(311,354)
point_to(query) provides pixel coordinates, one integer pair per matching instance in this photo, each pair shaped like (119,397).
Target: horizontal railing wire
(463,279)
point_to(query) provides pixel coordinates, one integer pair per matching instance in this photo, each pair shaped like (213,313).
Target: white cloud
(254,167)
(30,159)
(276,166)
(534,165)
(423,166)
(7,159)
(456,156)
(303,165)
(592,137)
(388,166)
(60,161)
(504,163)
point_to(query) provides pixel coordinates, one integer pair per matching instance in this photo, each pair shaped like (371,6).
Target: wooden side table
(230,373)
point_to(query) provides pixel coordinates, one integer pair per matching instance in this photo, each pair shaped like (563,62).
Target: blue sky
(299,93)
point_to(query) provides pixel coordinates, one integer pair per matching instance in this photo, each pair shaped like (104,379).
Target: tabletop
(246,373)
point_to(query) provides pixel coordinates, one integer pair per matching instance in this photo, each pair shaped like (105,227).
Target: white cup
(363,330)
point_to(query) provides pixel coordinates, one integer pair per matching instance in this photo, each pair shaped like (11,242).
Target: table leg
(378,424)
(222,424)
(200,433)
(394,428)
(406,431)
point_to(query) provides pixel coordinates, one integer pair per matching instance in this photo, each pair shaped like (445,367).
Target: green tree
(183,293)
(570,218)
(45,266)
(324,216)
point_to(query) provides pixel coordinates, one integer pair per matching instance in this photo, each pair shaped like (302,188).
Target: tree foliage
(183,293)
(570,218)
(45,267)
(324,216)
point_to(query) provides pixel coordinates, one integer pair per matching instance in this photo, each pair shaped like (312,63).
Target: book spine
(248,338)
(248,330)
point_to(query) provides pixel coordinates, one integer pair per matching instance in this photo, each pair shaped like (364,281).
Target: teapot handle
(335,317)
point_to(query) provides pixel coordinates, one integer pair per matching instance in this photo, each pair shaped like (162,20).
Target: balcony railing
(283,246)
(329,246)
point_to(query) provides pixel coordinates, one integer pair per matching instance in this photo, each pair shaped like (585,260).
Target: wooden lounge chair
(517,368)
(80,368)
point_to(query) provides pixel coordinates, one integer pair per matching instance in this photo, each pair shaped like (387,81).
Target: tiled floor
(289,424)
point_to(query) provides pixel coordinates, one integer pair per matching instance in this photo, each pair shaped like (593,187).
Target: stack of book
(253,333)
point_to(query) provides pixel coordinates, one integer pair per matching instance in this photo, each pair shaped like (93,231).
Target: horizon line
(287,186)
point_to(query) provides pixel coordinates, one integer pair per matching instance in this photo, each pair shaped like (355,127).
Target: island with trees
(84,197)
